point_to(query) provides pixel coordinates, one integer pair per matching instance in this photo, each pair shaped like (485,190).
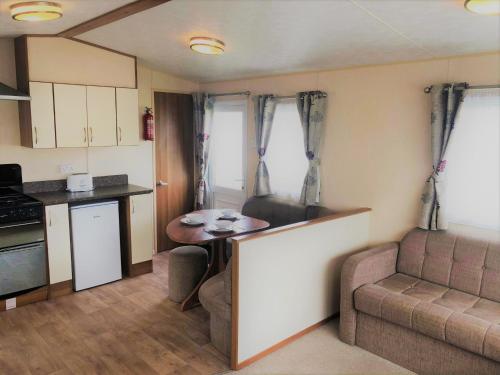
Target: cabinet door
(101,115)
(71,115)
(58,243)
(42,115)
(141,228)
(127,116)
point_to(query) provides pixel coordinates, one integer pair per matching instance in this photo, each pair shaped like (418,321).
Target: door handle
(119,134)
(161,183)
(91,135)
(36,135)
(84,135)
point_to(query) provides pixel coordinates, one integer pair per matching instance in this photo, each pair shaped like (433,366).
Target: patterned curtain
(203,107)
(264,108)
(446,103)
(312,108)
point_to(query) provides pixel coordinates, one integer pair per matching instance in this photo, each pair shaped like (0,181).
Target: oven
(23,261)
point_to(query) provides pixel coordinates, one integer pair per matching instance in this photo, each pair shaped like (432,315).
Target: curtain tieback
(314,163)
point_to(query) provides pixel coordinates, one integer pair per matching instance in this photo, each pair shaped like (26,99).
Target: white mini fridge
(95,230)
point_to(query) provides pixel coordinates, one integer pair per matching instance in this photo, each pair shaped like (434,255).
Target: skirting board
(281,344)
(36,295)
(60,289)
(141,268)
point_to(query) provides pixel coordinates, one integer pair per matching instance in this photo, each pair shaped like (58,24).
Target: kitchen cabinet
(101,116)
(140,211)
(43,132)
(127,116)
(58,243)
(70,103)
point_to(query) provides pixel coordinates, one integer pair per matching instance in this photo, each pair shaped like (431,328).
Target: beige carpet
(321,352)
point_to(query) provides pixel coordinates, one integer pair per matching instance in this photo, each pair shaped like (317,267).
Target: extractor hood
(8,93)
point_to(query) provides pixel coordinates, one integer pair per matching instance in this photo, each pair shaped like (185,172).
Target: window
(228,154)
(285,156)
(473,171)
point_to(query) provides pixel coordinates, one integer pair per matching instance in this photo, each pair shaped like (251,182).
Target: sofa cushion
(458,262)
(212,297)
(276,211)
(458,318)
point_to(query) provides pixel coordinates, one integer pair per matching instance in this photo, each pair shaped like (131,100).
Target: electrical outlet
(66,168)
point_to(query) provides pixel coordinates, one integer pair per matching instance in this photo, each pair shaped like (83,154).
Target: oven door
(23,261)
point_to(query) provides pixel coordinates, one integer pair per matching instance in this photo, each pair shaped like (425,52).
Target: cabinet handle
(119,134)
(133,207)
(91,135)
(84,135)
(50,219)
(36,135)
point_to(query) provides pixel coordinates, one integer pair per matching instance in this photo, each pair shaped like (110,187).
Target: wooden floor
(127,327)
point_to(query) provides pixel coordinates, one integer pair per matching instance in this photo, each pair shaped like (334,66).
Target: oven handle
(24,223)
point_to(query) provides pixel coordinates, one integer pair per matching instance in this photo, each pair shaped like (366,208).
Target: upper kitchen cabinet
(71,115)
(101,116)
(38,127)
(84,76)
(127,116)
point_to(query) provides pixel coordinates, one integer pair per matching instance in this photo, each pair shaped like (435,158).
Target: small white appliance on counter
(95,232)
(80,182)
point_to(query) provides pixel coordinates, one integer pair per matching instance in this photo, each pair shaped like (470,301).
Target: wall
(376,150)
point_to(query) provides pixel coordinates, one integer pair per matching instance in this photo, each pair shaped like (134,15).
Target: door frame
(240,104)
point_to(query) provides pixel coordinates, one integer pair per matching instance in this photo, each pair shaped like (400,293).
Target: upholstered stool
(186,267)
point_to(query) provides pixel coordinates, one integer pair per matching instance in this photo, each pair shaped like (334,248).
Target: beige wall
(376,150)
(136,161)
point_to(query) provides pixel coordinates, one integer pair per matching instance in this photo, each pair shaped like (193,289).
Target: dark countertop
(104,192)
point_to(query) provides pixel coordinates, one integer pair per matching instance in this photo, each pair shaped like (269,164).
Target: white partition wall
(286,281)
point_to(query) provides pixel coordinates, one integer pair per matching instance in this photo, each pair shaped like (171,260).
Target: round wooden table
(199,235)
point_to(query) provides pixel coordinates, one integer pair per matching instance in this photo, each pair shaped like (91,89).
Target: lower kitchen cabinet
(140,211)
(58,243)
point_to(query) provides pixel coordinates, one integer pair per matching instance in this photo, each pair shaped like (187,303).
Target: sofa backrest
(278,211)
(459,262)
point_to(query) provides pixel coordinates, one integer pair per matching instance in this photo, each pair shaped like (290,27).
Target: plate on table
(214,229)
(191,222)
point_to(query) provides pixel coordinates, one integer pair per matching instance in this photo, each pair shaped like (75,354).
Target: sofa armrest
(362,268)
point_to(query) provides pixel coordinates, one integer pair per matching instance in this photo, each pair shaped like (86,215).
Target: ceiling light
(488,7)
(36,11)
(208,46)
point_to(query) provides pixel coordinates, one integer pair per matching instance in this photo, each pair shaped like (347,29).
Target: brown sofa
(430,303)
(215,293)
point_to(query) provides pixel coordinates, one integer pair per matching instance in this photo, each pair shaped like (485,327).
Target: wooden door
(71,115)
(174,161)
(101,114)
(127,116)
(42,115)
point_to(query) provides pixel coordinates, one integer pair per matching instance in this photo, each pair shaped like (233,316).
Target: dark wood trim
(110,17)
(22,77)
(301,224)
(60,289)
(141,268)
(281,344)
(101,47)
(36,295)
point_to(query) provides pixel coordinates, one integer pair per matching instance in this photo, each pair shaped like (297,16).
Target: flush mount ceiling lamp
(34,11)
(207,46)
(486,7)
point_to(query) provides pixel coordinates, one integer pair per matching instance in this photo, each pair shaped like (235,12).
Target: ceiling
(74,13)
(268,37)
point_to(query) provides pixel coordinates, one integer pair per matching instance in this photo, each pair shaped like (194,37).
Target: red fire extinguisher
(149,125)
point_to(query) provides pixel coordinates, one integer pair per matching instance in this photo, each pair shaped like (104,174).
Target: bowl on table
(223,226)
(228,213)
(193,219)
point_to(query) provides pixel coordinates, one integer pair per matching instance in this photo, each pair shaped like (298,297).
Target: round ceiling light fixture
(34,11)
(207,46)
(486,7)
